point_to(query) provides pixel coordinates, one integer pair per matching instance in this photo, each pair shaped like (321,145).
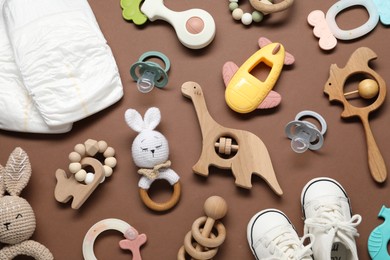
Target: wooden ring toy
(68,187)
(268,9)
(205,241)
(91,148)
(334,88)
(205,245)
(133,241)
(161,206)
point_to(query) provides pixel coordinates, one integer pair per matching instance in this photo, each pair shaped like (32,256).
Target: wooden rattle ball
(195,25)
(215,207)
(368,88)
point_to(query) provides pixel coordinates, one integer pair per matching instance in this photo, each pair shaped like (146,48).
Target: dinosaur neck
(205,120)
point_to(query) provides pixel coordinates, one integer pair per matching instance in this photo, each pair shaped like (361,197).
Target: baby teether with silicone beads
(195,28)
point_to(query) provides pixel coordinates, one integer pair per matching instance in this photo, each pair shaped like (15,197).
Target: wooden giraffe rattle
(250,154)
(207,243)
(334,87)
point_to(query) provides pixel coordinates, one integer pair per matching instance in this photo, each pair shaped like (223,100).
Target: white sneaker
(272,236)
(328,217)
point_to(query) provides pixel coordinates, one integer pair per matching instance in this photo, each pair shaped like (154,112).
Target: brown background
(343,156)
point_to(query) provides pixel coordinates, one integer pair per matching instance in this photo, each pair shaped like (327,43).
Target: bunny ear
(134,120)
(17,172)
(152,118)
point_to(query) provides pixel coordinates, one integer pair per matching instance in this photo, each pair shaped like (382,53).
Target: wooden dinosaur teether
(334,87)
(251,156)
(206,245)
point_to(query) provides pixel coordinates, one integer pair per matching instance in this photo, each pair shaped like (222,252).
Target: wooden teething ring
(273,8)
(358,63)
(161,206)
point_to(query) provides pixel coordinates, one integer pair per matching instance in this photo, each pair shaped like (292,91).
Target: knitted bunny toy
(17,219)
(150,152)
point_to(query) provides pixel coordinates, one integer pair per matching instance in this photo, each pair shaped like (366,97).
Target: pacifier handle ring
(97,229)
(156,54)
(320,119)
(161,206)
(365,28)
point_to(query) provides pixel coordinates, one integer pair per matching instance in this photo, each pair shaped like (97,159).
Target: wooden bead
(107,171)
(80,148)
(91,147)
(110,152)
(74,167)
(74,157)
(368,88)
(237,14)
(215,207)
(110,161)
(80,175)
(102,146)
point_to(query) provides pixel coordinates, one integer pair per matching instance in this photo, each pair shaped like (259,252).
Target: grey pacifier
(305,135)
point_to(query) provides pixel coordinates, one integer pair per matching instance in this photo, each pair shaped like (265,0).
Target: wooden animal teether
(334,87)
(207,243)
(82,157)
(273,8)
(380,237)
(251,156)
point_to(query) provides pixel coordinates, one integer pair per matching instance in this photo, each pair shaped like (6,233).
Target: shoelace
(329,217)
(291,247)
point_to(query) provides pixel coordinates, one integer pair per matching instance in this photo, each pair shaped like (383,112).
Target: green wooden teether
(131,11)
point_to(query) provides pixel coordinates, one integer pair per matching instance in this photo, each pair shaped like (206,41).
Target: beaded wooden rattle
(207,243)
(334,87)
(81,184)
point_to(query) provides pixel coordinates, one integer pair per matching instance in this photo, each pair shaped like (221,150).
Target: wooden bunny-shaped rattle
(150,152)
(17,219)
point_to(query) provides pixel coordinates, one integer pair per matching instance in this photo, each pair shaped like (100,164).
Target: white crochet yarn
(150,147)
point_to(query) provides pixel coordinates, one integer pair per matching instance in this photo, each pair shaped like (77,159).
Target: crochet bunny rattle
(150,152)
(17,219)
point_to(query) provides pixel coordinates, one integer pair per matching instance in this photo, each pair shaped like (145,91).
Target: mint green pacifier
(149,74)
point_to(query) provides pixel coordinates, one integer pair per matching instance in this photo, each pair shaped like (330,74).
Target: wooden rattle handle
(375,159)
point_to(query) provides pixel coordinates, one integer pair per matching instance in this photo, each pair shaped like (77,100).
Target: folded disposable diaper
(18,112)
(66,65)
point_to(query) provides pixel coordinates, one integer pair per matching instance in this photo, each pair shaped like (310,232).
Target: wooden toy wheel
(225,146)
(161,206)
(212,241)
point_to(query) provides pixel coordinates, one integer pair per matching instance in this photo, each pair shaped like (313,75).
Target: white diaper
(17,110)
(66,65)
